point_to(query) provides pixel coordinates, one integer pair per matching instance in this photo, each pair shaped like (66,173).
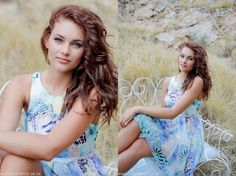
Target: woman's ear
(46,40)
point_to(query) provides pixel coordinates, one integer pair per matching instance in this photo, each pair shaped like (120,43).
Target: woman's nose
(65,49)
(184,59)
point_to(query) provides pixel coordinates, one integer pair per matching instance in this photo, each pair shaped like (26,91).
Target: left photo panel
(58,87)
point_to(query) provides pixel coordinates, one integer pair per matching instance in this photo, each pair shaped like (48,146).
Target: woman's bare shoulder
(198,80)
(167,79)
(19,84)
(22,80)
(166,82)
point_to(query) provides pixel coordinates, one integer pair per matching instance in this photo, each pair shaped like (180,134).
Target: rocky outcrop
(202,31)
(176,22)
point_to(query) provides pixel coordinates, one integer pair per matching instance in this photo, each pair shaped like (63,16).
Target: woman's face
(186,60)
(65,45)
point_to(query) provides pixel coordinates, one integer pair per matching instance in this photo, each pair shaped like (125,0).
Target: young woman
(172,133)
(64,103)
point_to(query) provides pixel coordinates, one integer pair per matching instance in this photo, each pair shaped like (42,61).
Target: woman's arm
(12,103)
(45,147)
(131,112)
(163,112)
(184,101)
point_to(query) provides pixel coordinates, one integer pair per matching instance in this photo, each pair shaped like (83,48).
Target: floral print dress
(42,116)
(177,145)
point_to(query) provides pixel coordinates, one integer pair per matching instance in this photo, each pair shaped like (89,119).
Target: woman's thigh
(19,165)
(2,155)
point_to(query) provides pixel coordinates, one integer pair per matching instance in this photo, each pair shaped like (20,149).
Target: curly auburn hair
(200,68)
(96,69)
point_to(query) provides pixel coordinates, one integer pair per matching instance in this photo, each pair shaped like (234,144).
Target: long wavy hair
(96,69)
(200,68)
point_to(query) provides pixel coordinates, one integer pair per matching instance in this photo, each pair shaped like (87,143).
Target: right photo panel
(177,91)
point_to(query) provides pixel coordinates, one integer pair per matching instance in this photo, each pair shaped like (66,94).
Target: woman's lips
(182,65)
(63,60)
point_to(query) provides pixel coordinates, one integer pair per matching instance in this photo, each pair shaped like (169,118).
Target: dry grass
(142,57)
(222,103)
(21,25)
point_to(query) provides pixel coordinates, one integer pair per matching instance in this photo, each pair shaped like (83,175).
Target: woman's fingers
(125,121)
(122,123)
(127,117)
(128,120)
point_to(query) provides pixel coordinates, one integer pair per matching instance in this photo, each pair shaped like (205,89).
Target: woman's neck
(55,82)
(182,76)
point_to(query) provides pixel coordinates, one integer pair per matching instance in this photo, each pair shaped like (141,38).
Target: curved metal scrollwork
(111,168)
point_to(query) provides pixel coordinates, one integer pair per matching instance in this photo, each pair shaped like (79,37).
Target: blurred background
(21,25)
(149,34)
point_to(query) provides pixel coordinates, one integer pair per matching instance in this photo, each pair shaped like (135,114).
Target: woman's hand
(128,115)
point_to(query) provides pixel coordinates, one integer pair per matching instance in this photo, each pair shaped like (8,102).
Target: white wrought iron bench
(144,91)
(111,169)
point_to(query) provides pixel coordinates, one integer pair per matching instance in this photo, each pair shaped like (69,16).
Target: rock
(203,32)
(143,2)
(188,21)
(161,5)
(166,37)
(171,14)
(229,21)
(143,13)
(181,34)
(146,11)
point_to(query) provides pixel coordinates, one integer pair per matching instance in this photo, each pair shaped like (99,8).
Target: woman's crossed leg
(130,147)
(15,165)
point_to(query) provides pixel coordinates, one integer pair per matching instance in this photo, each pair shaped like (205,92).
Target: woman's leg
(2,155)
(12,164)
(128,135)
(130,156)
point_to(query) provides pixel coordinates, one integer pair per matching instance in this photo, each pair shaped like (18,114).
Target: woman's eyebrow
(191,56)
(76,40)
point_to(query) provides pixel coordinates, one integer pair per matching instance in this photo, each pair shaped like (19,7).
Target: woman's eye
(190,58)
(182,56)
(58,40)
(77,45)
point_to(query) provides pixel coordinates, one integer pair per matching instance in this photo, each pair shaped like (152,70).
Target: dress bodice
(44,112)
(175,92)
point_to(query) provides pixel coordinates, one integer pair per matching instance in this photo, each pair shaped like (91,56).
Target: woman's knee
(141,147)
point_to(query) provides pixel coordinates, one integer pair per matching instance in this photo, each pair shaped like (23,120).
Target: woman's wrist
(138,109)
